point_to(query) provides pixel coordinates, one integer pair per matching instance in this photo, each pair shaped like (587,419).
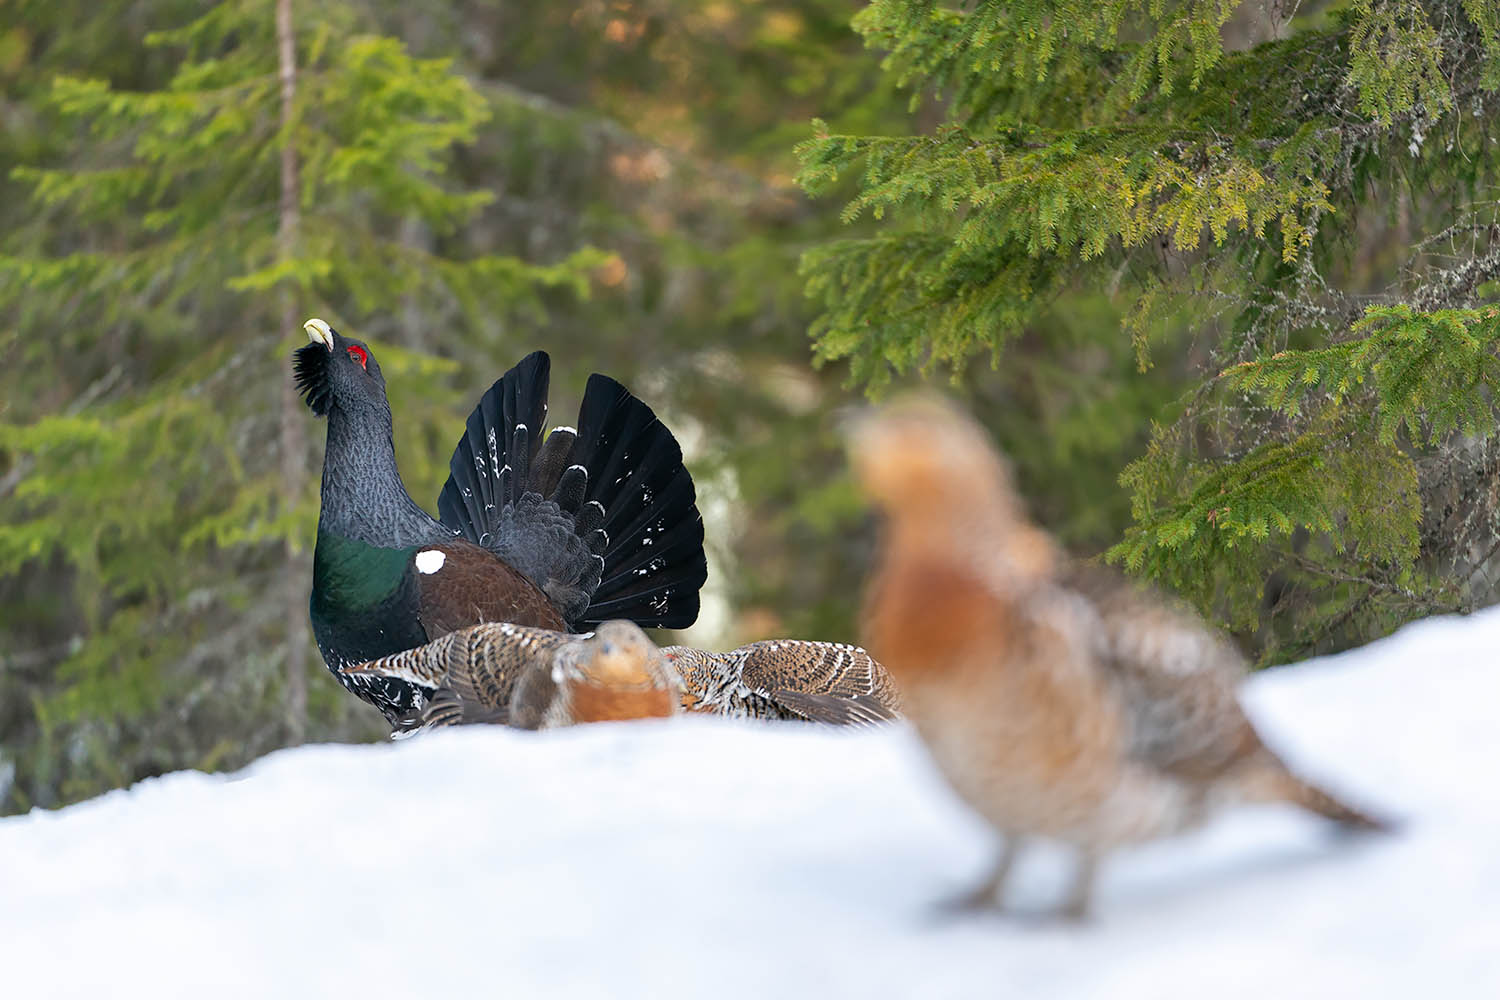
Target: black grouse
(590,524)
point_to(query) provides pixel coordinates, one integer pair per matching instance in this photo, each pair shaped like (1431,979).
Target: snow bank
(704,859)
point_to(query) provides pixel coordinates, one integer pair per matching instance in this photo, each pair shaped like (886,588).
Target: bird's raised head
(921,449)
(334,370)
(933,473)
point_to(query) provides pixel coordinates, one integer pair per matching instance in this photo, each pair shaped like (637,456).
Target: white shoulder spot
(430,560)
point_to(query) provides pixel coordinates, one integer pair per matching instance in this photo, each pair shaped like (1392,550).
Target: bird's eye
(361,355)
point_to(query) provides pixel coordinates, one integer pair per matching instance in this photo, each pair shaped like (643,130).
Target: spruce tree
(1292,212)
(662,132)
(161,479)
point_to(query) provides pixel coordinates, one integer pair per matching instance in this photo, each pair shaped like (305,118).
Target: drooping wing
(534,695)
(833,669)
(444,708)
(493,658)
(476,666)
(1178,677)
(835,710)
(461,584)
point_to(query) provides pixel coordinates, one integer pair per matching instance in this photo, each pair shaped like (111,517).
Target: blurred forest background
(1216,275)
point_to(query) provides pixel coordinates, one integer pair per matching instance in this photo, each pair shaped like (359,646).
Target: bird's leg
(992,891)
(1081,895)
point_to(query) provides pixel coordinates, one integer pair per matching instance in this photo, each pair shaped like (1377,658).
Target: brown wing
(821,668)
(1178,676)
(484,668)
(534,694)
(479,666)
(445,708)
(834,710)
(426,666)
(461,584)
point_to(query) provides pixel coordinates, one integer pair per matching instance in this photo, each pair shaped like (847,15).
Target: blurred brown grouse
(1060,702)
(588,524)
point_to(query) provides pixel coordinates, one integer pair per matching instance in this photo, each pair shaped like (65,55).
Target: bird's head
(337,371)
(619,652)
(922,451)
(933,473)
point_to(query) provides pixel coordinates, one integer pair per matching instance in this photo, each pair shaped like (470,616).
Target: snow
(700,858)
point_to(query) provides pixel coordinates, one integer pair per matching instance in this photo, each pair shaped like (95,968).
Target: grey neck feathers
(363,497)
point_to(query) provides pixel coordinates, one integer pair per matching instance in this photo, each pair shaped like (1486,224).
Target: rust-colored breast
(597,703)
(921,615)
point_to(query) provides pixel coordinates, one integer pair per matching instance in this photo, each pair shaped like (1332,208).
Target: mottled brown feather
(1179,676)
(788,679)
(533,696)
(477,667)
(533,678)
(835,710)
(493,658)
(444,708)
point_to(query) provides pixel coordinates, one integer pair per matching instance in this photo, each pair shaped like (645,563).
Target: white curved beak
(319,332)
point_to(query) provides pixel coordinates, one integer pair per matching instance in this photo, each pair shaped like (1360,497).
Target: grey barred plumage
(829,682)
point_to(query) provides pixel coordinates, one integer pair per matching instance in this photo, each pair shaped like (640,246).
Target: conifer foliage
(445,214)
(149,273)
(1311,207)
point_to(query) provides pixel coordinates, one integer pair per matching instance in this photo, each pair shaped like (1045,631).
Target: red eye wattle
(359,354)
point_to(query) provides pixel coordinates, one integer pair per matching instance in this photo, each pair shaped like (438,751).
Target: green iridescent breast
(351,575)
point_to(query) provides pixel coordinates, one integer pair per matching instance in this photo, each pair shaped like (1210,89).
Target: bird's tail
(641,497)
(491,465)
(603,518)
(1278,784)
(512,493)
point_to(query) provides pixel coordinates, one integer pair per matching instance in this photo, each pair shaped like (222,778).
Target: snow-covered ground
(704,859)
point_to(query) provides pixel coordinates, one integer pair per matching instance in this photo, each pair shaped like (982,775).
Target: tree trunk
(413,333)
(293,443)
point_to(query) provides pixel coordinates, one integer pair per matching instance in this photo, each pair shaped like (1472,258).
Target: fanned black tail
(489,467)
(603,518)
(644,499)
